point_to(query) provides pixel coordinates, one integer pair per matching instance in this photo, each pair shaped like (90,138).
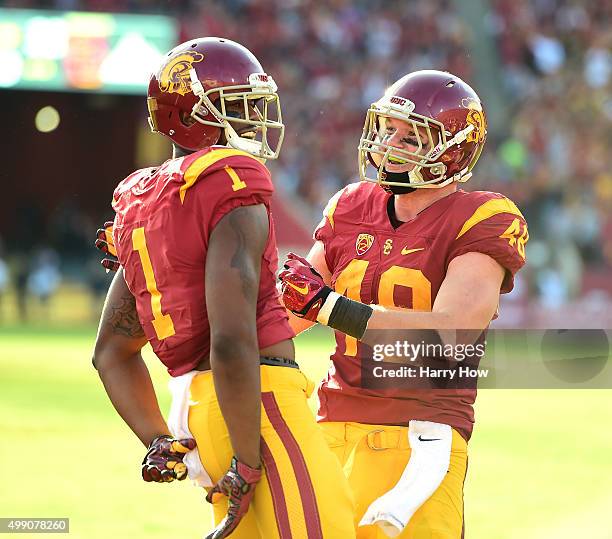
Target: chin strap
(254,147)
(398,177)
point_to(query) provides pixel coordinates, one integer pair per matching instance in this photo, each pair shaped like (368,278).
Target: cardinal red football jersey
(164,220)
(373,262)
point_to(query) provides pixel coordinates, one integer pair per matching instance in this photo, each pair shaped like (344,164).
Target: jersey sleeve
(123,195)
(343,213)
(231,183)
(327,227)
(498,229)
(253,189)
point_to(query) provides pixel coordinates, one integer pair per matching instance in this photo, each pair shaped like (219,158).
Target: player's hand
(304,291)
(164,459)
(238,484)
(104,242)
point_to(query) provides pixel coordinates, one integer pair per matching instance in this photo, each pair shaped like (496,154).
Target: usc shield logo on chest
(363,243)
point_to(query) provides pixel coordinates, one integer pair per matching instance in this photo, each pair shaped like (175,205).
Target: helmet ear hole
(186,119)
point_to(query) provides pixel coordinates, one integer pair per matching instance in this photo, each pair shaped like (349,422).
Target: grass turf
(539,460)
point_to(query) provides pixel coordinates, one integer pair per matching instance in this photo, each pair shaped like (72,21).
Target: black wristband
(350,317)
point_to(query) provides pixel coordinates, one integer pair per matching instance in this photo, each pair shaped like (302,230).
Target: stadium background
(539,459)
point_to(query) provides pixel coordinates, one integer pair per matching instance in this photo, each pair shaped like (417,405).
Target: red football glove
(106,244)
(238,484)
(164,459)
(304,291)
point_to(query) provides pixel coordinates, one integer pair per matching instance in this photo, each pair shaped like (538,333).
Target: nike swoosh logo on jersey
(421,439)
(300,289)
(406,251)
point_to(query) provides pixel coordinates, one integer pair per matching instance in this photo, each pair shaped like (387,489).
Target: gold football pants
(303,493)
(375,456)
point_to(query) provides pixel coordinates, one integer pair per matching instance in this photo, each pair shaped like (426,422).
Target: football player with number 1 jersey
(196,278)
(406,249)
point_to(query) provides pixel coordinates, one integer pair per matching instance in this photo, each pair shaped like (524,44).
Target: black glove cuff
(350,317)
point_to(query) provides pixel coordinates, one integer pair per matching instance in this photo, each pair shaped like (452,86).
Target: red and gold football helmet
(209,86)
(448,123)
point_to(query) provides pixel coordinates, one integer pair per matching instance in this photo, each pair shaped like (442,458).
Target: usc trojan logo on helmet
(476,118)
(174,75)
(363,243)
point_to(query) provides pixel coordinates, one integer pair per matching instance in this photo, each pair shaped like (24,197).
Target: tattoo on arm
(239,222)
(121,316)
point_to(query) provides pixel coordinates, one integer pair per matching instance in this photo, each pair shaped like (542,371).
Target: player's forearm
(129,387)
(391,324)
(384,318)
(235,367)
(373,324)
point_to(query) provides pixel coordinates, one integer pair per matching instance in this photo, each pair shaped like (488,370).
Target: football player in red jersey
(196,246)
(406,249)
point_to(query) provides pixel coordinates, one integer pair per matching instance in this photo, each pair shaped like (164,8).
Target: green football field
(540,461)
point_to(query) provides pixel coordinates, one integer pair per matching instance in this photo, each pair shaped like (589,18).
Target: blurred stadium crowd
(332,59)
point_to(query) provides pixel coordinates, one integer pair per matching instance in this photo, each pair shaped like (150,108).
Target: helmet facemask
(249,114)
(428,171)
